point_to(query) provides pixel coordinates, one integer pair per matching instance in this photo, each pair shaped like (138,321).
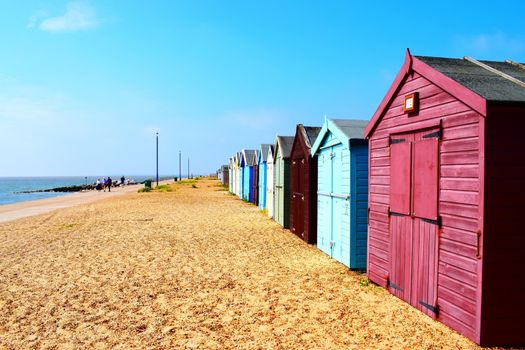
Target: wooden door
(277,208)
(339,202)
(297,224)
(255,185)
(324,201)
(414,219)
(269,187)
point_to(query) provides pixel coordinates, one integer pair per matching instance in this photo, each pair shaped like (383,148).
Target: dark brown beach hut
(303,184)
(446,194)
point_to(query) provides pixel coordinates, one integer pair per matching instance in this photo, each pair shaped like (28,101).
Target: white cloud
(78,16)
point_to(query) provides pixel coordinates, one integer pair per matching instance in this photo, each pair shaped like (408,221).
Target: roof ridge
(495,71)
(515,64)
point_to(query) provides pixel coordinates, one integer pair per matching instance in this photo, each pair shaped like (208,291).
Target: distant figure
(98,185)
(122,179)
(104,183)
(109,182)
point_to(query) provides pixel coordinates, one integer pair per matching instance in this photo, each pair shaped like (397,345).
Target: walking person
(122,179)
(109,183)
(105,183)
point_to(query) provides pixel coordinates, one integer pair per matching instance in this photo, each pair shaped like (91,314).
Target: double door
(333,232)
(414,218)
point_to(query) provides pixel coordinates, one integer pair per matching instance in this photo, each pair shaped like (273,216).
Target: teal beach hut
(342,191)
(263,173)
(248,156)
(281,199)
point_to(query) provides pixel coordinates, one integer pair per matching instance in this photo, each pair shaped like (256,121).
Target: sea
(10,187)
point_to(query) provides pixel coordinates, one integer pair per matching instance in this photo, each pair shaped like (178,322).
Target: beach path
(19,210)
(195,268)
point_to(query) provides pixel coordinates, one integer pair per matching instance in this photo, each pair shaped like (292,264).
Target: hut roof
(249,156)
(486,83)
(310,134)
(263,153)
(284,143)
(471,82)
(270,153)
(343,129)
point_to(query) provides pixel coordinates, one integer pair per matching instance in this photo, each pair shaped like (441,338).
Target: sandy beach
(194,268)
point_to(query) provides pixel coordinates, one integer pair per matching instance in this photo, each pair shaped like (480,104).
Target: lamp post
(157,134)
(188,167)
(180,168)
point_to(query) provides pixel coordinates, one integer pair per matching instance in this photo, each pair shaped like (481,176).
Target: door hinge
(393,285)
(433,221)
(434,309)
(393,213)
(437,134)
(394,141)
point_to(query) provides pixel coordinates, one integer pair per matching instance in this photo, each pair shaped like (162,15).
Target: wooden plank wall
(359,204)
(458,294)
(503,304)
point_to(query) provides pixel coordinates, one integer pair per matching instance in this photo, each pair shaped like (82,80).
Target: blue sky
(84,85)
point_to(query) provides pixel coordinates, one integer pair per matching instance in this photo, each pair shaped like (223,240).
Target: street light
(157,158)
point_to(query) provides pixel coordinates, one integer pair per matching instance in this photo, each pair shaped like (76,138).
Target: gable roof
(343,129)
(486,83)
(249,156)
(472,82)
(270,153)
(306,133)
(238,158)
(263,153)
(310,133)
(284,144)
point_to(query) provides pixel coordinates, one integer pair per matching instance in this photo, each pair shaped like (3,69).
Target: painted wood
(262,183)
(282,183)
(342,196)
(270,176)
(469,178)
(303,185)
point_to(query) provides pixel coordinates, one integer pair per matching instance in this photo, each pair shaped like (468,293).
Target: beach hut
(303,184)
(281,200)
(248,162)
(223,174)
(263,171)
(230,175)
(446,194)
(342,191)
(270,181)
(255,180)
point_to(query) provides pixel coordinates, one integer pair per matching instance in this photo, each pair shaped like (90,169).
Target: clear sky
(84,85)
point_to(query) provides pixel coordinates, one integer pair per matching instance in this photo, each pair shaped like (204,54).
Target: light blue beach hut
(263,172)
(248,157)
(342,189)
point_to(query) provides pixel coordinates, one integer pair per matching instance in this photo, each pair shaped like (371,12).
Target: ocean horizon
(12,186)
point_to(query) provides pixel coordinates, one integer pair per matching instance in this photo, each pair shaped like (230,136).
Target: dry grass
(192,268)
